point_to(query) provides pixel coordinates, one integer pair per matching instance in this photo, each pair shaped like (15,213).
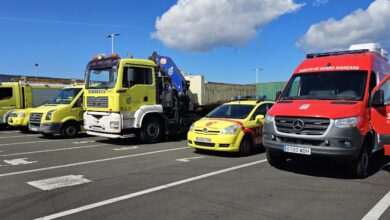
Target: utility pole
(112,36)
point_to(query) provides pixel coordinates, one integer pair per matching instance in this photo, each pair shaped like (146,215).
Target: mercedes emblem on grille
(298,125)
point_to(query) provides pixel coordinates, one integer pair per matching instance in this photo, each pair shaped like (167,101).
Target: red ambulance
(324,109)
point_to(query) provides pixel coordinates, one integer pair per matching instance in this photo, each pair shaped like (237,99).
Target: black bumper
(337,144)
(49,128)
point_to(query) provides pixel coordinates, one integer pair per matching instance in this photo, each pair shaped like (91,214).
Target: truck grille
(35,118)
(302,125)
(97,102)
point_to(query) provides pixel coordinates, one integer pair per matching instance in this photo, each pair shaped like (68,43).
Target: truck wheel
(151,131)
(361,166)
(275,160)
(245,147)
(69,130)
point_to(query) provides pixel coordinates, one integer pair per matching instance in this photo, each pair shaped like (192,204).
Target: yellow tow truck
(235,126)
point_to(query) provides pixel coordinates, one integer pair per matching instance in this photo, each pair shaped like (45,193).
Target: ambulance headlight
(192,127)
(20,115)
(269,118)
(346,122)
(114,124)
(232,129)
(49,115)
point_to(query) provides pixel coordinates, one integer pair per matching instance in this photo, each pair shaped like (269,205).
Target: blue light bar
(249,97)
(314,55)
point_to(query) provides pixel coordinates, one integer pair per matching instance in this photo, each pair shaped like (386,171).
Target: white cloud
(320,2)
(200,25)
(361,26)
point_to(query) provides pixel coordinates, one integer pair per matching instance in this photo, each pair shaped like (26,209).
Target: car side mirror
(277,95)
(378,98)
(258,118)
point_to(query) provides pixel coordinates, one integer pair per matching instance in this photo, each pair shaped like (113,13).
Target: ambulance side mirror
(258,118)
(378,98)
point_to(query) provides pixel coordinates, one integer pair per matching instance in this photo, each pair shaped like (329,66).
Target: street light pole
(36,71)
(112,36)
(257,78)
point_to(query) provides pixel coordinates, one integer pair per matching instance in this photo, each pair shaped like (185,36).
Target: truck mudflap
(338,144)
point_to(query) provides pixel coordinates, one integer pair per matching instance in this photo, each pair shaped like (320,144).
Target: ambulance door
(380,113)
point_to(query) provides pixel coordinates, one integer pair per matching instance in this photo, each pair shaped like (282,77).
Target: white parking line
(377,211)
(147,191)
(91,161)
(126,148)
(51,150)
(83,142)
(29,142)
(59,182)
(185,160)
(27,135)
(9,132)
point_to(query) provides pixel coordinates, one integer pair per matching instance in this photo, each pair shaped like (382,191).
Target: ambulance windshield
(326,86)
(231,111)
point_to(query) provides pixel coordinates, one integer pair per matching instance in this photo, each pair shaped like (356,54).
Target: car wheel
(361,166)
(245,147)
(151,131)
(69,130)
(275,160)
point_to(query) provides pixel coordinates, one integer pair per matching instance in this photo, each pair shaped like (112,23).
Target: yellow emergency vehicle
(62,115)
(19,119)
(235,126)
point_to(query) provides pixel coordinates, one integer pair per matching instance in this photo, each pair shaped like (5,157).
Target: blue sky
(62,35)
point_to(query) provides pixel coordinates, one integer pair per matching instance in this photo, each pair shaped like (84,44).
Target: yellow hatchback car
(235,126)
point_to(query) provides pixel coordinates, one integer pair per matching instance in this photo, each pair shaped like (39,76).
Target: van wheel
(361,166)
(151,130)
(69,130)
(245,147)
(275,160)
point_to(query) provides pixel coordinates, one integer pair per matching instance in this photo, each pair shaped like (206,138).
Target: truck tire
(245,146)
(275,160)
(360,168)
(151,130)
(69,130)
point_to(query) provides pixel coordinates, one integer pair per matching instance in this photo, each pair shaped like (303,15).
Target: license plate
(34,128)
(297,150)
(97,129)
(204,140)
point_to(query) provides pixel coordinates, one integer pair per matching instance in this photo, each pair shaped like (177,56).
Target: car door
(256,126)
(380,113)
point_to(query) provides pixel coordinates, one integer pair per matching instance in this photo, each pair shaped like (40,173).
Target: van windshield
(65,96)
(327,86)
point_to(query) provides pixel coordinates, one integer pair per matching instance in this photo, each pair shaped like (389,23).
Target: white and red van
(324,109)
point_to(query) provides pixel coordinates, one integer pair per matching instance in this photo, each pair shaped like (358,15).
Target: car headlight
(346,122)
(20,115)
(232,129)
(269,118)
(49,115)
(192,127)
(13,115)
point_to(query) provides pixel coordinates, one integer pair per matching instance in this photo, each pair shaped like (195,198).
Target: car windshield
(231,111)
(101,79)
(65,96)
(326,86)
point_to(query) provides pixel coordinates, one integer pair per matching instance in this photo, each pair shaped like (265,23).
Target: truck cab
(62,115)
(324,109)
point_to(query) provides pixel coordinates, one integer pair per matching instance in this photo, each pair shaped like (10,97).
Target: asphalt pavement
(94,178)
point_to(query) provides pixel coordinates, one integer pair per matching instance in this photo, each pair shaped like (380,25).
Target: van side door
(380,113)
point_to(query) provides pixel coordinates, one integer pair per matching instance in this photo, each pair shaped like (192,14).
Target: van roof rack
(314,55)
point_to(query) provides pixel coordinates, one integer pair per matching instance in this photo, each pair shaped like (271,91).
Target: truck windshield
(101,79)
(231,111)
(65,96)
(327,86)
